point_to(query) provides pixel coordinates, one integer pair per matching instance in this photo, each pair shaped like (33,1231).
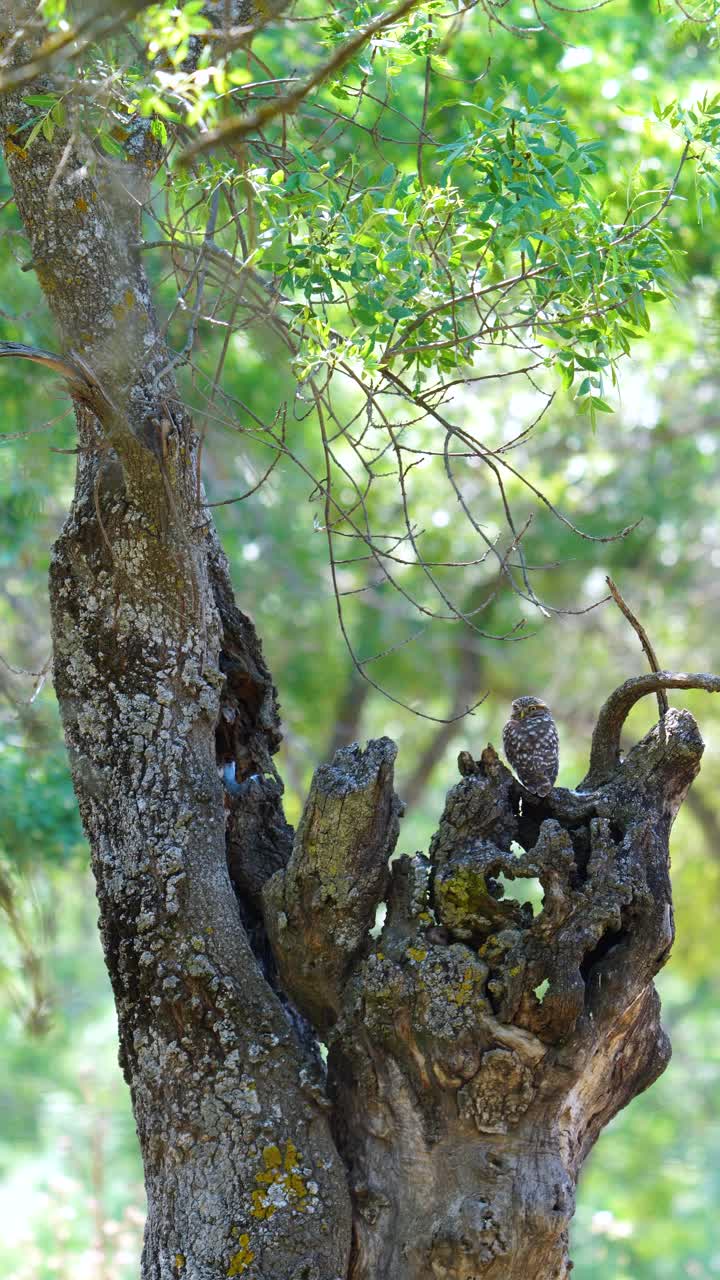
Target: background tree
(319,345)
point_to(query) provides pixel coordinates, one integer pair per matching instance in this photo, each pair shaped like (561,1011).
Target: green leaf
(159,131)
(110,145)
(35,132)
(45,100)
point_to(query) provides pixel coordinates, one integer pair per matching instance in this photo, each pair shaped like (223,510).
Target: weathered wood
(477,1049)
(319,910)
(605,750)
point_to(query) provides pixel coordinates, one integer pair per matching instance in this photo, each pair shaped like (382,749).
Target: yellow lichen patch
(416,953)
(241,1260)
(465,990)
(81,204)
(179,1262)
(14,150)
(46,279)
(280,1185)
(124,304)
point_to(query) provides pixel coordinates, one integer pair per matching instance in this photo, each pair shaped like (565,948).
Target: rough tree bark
(475,1050)
(160,680)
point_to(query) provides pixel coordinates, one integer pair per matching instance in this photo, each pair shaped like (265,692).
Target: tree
(474,1051)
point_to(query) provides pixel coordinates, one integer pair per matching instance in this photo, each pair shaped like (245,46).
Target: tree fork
(477,1049)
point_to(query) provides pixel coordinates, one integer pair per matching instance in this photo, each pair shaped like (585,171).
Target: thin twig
(642,635)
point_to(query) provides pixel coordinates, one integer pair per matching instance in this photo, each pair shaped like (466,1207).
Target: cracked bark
(161,682)
(475,1050)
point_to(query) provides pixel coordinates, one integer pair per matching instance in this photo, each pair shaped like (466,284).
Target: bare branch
(80,379)
(623,606)
(605,750)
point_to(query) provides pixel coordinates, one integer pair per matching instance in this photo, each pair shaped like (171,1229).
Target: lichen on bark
(478,1047)
(161,681)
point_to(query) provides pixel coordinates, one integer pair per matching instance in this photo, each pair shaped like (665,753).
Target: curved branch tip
(605,749)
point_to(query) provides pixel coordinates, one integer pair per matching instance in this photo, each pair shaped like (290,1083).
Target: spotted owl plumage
(531,744)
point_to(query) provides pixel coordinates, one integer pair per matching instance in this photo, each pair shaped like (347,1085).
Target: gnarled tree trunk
(475,1050)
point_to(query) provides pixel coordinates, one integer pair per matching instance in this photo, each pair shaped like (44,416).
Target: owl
(531,744)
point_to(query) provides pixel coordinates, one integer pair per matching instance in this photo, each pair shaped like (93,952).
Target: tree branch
(237,128)
(605,749)
(642,635)
(96,26)
(81,381)
(319,910)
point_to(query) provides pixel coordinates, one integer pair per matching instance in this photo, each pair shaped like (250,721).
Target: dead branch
(624,607)
(605,749)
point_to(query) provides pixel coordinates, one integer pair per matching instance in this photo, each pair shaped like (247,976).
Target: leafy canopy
(402,231)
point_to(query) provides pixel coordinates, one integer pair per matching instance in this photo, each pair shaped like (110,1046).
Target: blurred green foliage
(70,1180)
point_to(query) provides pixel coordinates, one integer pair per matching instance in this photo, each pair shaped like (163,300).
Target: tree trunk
(475,1050)
(161,683)
(239,1162)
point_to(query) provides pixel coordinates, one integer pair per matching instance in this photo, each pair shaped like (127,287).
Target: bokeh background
(71,1199)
